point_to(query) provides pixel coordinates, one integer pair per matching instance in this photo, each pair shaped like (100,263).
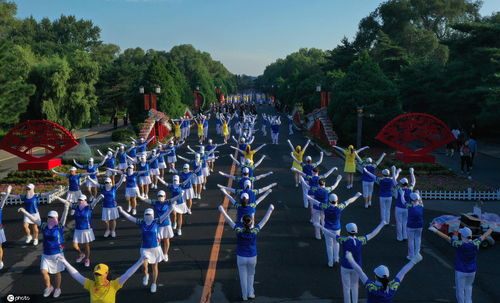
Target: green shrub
(122,135)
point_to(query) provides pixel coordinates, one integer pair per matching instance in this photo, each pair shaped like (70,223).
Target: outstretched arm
(380,159)
(184,159)
(58,173)
(325,175)
(162,181)
(266,216)
(127,215)
(339,148)
(227,175)
(401,274)
(362,276)
(37,220)
(2,203)
(261,198)
(233,201)
(78,164)
(259,162)
(263,175)
(132,269)
(290,144)
(64,215)
(189,147)
(412,176)
(375,231)
(298,171)
(228,219)
(263,189)
(229,189)
(362,149)
(320,159)
(236,148)
(353,198)
(234,160)
(260,147)
(440,234)
(72,271)
(337,182)
(306,146)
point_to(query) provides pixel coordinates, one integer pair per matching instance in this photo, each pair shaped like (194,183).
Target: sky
(245,35)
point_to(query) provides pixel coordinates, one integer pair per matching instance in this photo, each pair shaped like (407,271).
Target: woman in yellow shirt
(177,130)
(225,129)
(102,290)
(298,153)
(200,131)
(249,153)
(350,155)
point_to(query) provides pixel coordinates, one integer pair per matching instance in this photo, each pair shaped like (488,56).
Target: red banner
(146,102)
(153,101)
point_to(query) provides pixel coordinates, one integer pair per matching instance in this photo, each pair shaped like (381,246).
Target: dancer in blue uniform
(246,248)
(122,158)
(415,222)
(73,184)
(386,184)
(93,170)
(150,246)
(110,163)
(180,208)
(3,239)
(131,188)
(400,209)
(53,247)
(367,181)
(245,206)
(109,210)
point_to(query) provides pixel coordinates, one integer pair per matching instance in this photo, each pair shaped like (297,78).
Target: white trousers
(385,209)
(463,285)
(246,269)
(414,241)
(264,131)
(367,189)
(349,284)
(304,196)
(218,128)
(290,129)
(401,215)
(205,132)
(274,137)
(332,247)
(318,217)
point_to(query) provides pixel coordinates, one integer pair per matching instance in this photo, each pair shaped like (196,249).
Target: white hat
(185,166)
(53,214)
(110,153)
(465,232)
(175,177)
(130,166)
(149,211)
(247,183)
(82,197)
(72,168)
(333,198)
(197,155)
(161,193)
(403,181)
(386,172)
(352,228)
(91,159)
(209,140)
(308,158)
(122,146)
(368,160)
(414,196)
(133,142)
(245,196)
(142,139)
(245,170)
(381,271)
(30,186)
(107,180)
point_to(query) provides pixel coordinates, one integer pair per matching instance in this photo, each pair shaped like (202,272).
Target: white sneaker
(174,226)
(35,242)
(57,293)
(1,265)
(106,233)
(47,291)
(28,239)
(80,258)
(296,185)
(134,211)
(199,196)
(204,188)
(72,212)
(189,212)
(179,232)
(113,234)
(87,262)
(129,208)
(153,287)
(165,258)
(145,280)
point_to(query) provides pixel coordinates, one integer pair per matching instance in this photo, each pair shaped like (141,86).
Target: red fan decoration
(25,137)
(415,135)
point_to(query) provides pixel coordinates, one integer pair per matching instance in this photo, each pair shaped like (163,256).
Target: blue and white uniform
(161,159)
(154,167)
(465,267)
(93,170)
(368,181)
(414,224)
(180,207)
(131,189)
(171,156)
(143,172)
(2,232)
(401,214)
(150,244)
(332,215)
(349,276)
(376,294)
(122,160)
(199,175)
(53,247)
(165,231)
(109,205)
(188,186)
(73,188)
(83,224)
(246,252)
(110,163)
(31,206)
(385,193)
(208,149)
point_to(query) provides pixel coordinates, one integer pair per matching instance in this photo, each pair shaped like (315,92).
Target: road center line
(206,294)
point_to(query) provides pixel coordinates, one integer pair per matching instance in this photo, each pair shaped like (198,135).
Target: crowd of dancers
(141,169)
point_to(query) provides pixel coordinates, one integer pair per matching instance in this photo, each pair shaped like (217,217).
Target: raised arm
(64,215)
(4,200)
(320,159)
(102,162)
(369,173)
(362,276)
(65,202)
(184,159)
(325,175)
(99,152)
(120,182)
(339,148)
(149,140)
(337,182)
(263,175)
(375,231)
(227,175)
(78,164)
(259,162)
(298,171)
(260,147)
(37,220)
(127,215)
(380,159)
(228,219)
(394,175)
(251,141)
(236,148)
(192,150)
(234,160)
(401,274)
(162,181)
(264,220)
(412,176)
(92,180)
(304,183)
(132,269)
(263,189)
(306,146)
(261,198)
(486,234)
(96,200)
(353,198)
(290,144)
(229,189)
(58,173)
(72,271)
(440,234)
(362,149)
(233,201)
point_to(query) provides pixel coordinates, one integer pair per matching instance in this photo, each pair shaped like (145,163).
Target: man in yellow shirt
(102,290)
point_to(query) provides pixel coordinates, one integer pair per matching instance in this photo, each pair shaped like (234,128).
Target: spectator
(465,158)
(473,149)
(450,148)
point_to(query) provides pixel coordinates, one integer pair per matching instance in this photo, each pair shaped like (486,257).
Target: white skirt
(198,180)
(110,173)
(206,171)
(2,236)
(131,192)
(211,159)
(83,236)
(28,220)
(162,165)
(89,184)
(109,213)
(188,193)
(51,264)
(165,232)
(153,255)
(122,166)
(180,208)
(72,196)
(154,171)
(172,159)
(145,180)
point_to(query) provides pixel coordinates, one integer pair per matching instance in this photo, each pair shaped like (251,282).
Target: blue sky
(245,35)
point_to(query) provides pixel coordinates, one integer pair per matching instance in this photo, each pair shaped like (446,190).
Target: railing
(460,195)
(44,200)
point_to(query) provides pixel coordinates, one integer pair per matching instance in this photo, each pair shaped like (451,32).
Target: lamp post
(359,110)
(150,99)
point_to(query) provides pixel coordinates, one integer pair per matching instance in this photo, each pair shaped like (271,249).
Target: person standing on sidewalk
(465,158)
(473,149)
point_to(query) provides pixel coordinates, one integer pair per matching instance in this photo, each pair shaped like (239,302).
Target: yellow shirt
(102,294)
(249,155)
(200,129)
(350,161)
(225,129)
(177,130)
(299,156)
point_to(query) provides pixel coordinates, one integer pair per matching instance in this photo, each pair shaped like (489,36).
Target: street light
(141,90)
(157,90)
(197,87)
(359,110)
(318,88)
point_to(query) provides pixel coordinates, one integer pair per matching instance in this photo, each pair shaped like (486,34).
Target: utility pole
(360,126)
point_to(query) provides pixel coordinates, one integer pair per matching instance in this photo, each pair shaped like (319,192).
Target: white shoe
(87,263)
(28,239)
(153,287)
(129,208)
(179,232)
(1,265)
(113,234)
(72,212)
(47,291)
(134,211)
(57,293)
(80,258)
(296,185)
(204,188)
(145,280)
(189,212)
(174,226)
(106,233)
(35,242)
(318,237)
(165,258)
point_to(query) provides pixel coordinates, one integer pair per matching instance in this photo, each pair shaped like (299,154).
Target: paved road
(291,263)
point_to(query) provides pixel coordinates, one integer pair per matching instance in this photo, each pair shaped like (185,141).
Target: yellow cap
(101,269)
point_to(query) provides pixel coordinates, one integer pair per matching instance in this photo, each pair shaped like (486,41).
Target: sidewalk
(489,149)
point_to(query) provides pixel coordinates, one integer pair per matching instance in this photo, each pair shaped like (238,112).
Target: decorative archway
(414,135)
